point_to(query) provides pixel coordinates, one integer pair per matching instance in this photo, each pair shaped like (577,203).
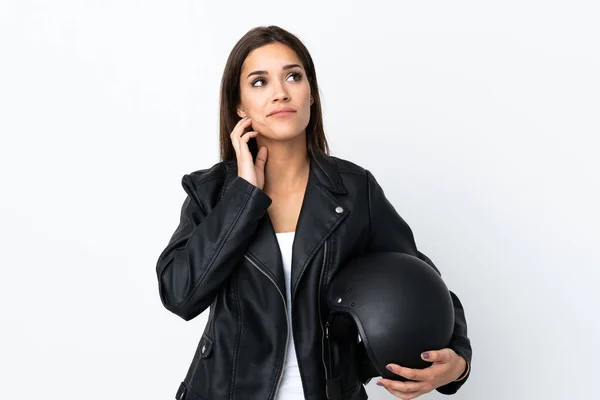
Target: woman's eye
(296,75)
(254,83)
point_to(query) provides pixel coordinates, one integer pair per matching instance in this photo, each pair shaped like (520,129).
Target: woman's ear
(312,100)
(241,113)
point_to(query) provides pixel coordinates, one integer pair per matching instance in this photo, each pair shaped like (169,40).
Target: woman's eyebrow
(285,67)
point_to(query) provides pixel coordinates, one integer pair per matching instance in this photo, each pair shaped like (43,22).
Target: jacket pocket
(206,346)
(201,376)
(198,370)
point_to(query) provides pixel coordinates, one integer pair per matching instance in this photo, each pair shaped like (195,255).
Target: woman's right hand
(247,169)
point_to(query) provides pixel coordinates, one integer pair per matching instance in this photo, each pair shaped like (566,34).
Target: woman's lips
(283,114)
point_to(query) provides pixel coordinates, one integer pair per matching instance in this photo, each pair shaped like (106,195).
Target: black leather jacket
(224,255)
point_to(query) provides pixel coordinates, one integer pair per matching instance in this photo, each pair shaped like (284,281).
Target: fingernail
(379,383)
(389,368)
(425,355)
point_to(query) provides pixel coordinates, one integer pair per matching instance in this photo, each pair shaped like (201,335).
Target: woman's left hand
(447,367)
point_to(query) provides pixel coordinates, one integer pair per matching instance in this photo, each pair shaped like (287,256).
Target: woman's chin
(282,134)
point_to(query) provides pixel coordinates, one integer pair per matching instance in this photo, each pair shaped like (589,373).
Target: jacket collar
(322,167)
(327,172)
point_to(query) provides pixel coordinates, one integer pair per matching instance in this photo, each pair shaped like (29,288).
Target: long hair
(230,89)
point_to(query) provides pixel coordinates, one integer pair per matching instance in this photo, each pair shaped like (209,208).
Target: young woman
(263,231)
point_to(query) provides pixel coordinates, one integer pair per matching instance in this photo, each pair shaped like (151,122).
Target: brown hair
(230,89)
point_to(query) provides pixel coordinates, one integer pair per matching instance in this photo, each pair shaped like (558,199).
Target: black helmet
(400,306)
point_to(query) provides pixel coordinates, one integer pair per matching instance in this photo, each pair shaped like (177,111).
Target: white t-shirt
(291,383)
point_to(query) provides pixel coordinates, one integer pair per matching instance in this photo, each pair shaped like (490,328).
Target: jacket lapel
(321,213)
(264,250)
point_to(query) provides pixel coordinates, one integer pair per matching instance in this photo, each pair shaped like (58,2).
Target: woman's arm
(207,246)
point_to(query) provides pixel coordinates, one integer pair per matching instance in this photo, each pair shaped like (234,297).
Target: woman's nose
(280,93)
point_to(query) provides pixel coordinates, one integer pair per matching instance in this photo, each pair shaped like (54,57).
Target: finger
(408,373)
(439,356)
(240,127)
(405,395)
(247,136)
(237,132)
(261,158)
(245,154)
(404,387)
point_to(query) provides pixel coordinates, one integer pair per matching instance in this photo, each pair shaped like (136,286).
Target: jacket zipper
(287,339)
(319,306)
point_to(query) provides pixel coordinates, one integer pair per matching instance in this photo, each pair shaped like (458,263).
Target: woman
(277,189)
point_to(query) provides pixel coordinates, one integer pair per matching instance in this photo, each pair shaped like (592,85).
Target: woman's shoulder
(218,171)
(346,166)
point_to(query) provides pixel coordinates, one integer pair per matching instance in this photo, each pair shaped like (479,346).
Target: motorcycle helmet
(400,307)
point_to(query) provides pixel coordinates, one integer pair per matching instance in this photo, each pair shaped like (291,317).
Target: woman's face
(273,79)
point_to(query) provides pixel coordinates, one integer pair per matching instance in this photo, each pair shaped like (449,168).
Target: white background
(479,119)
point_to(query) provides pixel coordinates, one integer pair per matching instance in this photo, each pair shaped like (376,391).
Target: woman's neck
(287,166)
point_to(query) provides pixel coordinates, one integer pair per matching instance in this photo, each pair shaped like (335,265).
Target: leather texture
(224,256)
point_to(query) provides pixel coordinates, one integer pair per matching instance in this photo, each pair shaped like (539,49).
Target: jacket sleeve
(207,246)
(389,232)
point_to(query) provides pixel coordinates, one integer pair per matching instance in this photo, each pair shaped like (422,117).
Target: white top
(291,383)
